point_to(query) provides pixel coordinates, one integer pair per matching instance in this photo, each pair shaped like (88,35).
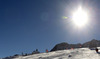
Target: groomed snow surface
(81,53)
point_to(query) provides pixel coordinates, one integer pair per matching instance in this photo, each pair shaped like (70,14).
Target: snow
(81,53)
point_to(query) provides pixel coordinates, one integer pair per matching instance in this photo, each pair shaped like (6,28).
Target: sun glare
(80,17)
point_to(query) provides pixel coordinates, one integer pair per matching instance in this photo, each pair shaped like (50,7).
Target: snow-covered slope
(82,53)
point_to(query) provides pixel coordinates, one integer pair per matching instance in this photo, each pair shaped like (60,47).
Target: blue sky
(26,25)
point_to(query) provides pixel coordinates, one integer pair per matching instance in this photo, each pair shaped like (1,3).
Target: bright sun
(80,17)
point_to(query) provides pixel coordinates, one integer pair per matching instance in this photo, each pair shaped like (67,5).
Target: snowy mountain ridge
(79,53)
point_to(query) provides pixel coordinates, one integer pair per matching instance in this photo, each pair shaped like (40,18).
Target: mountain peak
(64,45)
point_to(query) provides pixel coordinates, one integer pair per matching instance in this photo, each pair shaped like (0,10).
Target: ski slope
(81,53)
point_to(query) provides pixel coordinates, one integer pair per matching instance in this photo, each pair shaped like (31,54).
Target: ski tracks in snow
(83,53)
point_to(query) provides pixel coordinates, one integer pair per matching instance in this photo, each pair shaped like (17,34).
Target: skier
(96,50)
(46,50)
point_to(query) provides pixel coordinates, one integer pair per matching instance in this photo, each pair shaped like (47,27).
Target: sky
(26,25)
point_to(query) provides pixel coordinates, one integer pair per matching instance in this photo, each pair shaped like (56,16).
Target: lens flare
(80,17)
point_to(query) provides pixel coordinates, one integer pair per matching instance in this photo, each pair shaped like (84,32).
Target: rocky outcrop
(92,43)
(64,45)
(60,46)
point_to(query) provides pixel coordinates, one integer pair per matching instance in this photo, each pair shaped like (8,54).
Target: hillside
(80,53)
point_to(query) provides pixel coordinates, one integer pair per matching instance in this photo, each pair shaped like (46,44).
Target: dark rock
(91,44)
(60,46)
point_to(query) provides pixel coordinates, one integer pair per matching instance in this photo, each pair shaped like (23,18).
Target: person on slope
(96,50)
(46,50)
